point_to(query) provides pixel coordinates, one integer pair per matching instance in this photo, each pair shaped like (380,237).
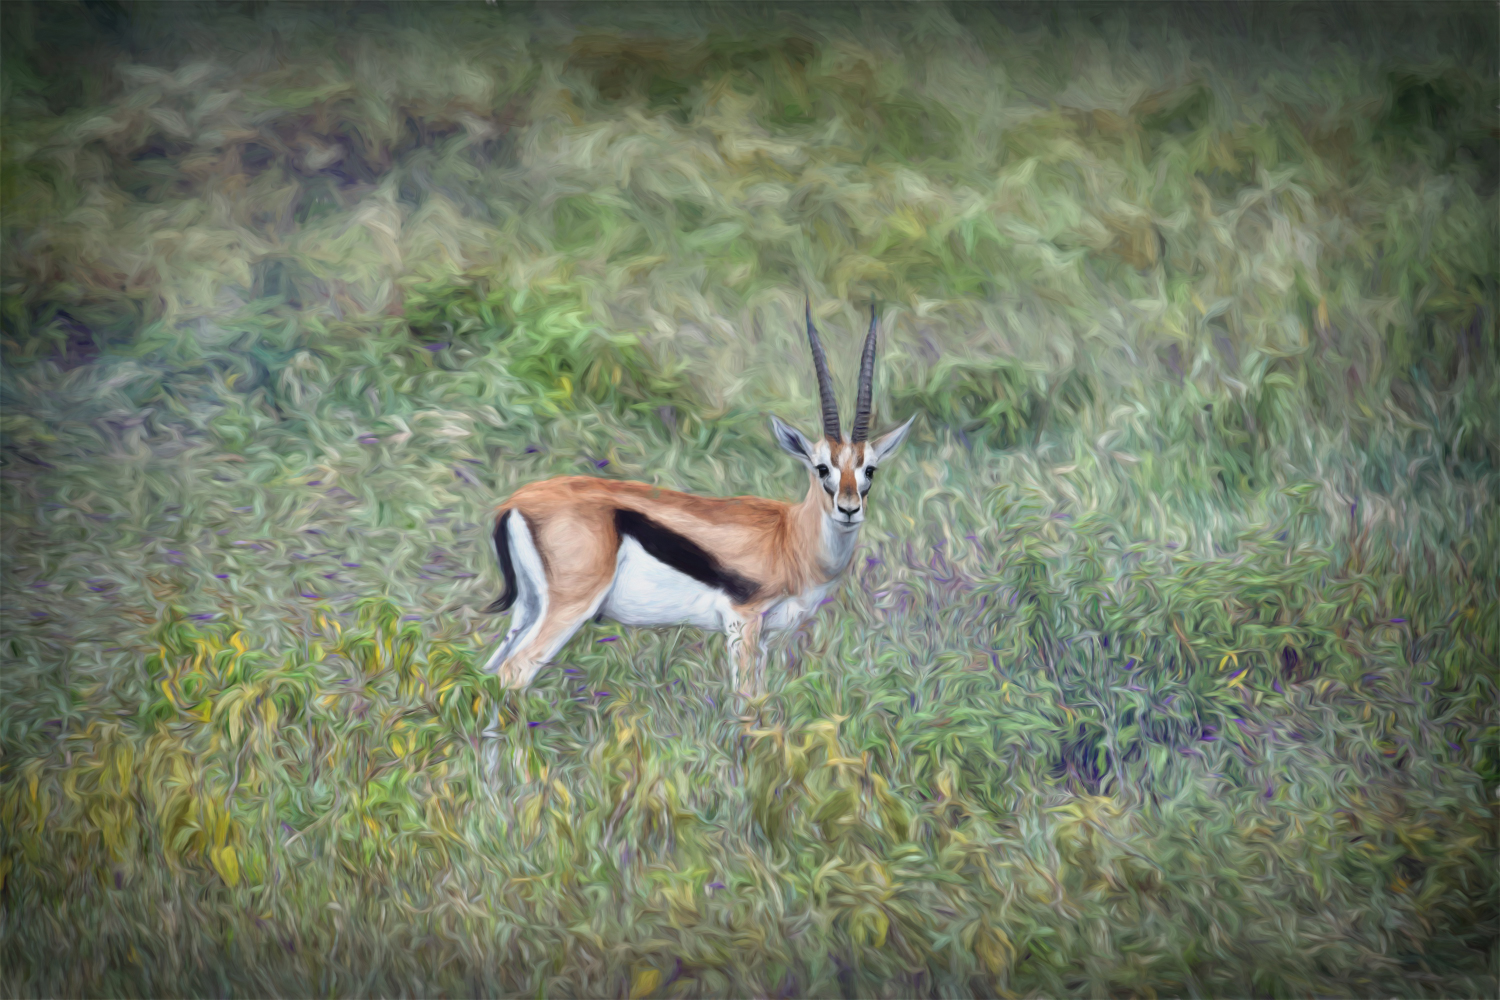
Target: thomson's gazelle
(573,548)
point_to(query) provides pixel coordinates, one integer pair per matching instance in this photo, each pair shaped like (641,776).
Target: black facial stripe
(683,554)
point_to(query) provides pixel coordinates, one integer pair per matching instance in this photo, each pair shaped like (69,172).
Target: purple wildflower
(601,463)
(315,482)
(610,638)
(434,348)
(221,576)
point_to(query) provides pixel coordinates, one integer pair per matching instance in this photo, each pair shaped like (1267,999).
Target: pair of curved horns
(861,429)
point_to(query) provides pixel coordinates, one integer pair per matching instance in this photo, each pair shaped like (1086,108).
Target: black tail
(507,568)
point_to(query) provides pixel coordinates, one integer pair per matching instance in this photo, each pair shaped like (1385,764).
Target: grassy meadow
(1168,662)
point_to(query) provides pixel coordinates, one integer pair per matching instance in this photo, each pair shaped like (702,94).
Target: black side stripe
(507,568)
(683,554)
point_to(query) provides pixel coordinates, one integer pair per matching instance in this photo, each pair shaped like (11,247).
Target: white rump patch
(530,609)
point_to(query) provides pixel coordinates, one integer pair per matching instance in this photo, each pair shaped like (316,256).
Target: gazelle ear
(884,445)
(792,441)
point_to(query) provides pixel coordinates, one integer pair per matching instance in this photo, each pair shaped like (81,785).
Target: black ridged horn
(866,380)
(825,381)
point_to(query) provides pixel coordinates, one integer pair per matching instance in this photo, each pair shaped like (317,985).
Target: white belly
(795,610)
(649,592)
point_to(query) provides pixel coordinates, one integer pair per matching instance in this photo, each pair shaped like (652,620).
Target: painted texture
(1167,664)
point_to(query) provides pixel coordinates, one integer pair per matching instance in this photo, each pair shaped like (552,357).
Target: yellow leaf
(644,983)
(397,747)
(227,863)
(237,641)
(531,814)
(882,924)
(1323,313)
(994,949)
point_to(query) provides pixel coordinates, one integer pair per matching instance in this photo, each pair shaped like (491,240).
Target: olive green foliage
(1167,665)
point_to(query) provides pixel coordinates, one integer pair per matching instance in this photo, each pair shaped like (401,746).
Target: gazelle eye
(869,472)
(823,470)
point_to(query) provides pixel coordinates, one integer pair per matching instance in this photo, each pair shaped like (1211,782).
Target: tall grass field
(1167,663)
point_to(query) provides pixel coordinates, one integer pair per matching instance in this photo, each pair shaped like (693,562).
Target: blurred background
(1168,662)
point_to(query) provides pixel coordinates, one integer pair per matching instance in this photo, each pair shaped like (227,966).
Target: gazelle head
(843,466)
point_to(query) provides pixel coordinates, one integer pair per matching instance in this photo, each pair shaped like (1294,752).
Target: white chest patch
(795,610)
(650,593)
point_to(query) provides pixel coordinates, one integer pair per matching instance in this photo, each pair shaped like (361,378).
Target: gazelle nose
(848,511)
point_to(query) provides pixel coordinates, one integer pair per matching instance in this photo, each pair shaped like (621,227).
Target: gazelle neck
(830,546)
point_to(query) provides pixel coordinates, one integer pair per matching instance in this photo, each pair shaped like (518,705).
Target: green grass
(1168,662)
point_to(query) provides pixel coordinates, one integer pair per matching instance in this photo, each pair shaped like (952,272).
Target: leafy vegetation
(1168,662)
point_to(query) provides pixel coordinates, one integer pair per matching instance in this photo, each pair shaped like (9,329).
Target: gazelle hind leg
(569,589)
(531,593)
(543,642)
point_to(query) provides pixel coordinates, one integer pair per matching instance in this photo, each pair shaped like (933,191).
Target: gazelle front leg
(746,653)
